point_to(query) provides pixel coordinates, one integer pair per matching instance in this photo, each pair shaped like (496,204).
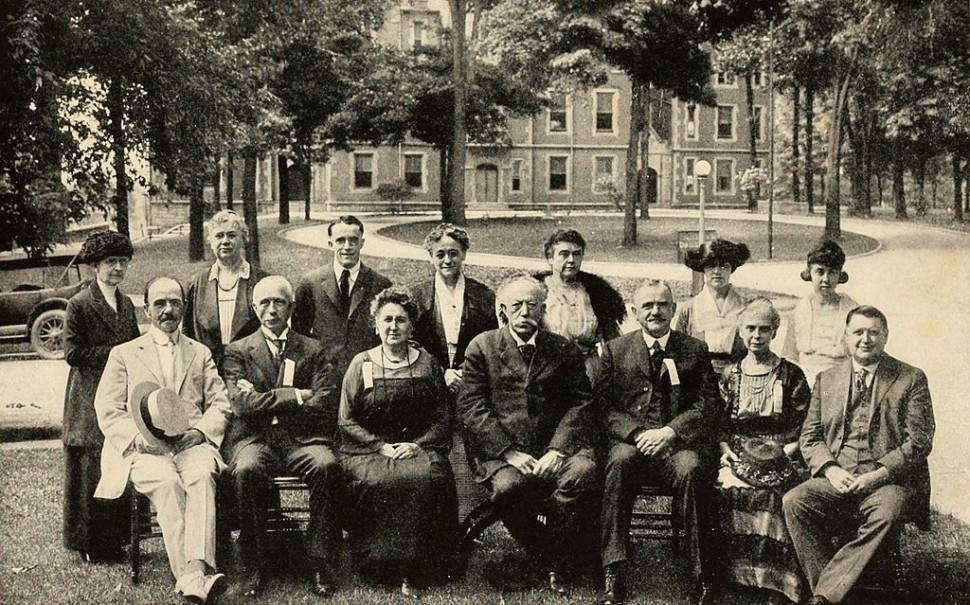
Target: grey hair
(227,217)
(513,279)
(656,283)
(274,280)
(761,305)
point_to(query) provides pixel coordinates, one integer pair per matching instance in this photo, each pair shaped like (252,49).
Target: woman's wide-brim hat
(827,254)
(158,413)
(763,463)
(104,244)
(715,252)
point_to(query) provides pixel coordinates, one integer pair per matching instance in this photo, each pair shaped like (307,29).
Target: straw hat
(158,413)
(763,463)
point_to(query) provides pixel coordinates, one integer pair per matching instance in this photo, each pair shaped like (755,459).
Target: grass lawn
(657,237)
(935,563)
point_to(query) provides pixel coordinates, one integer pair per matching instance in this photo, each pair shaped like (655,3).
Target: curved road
(920,278)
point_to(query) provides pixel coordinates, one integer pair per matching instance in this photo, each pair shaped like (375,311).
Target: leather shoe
(818,600)
(612,587)
(251,585)
(409,590)
(204,589)
(556,585)
(708,594)
(322,586)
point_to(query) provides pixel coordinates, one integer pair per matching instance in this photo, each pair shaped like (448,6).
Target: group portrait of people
(793,468)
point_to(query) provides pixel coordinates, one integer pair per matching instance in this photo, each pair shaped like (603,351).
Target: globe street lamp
(702,169)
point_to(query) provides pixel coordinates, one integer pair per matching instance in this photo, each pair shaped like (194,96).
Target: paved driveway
(920,278)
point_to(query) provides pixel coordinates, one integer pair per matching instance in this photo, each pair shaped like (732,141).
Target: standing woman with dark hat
(98,317)
(815,339)
(219,301)
(712,315)
(581,307)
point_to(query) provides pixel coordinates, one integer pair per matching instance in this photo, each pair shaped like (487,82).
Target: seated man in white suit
(177,474)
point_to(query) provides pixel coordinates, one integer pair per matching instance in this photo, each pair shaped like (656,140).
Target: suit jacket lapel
(149,357)
(240,317)
(886,375)
(263,359)
(672,350)
(510,355)
(839,402)
(184,355)
(330,287)
(108,316)
(642,356)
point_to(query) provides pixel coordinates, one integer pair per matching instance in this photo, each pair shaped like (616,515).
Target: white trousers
(182,489)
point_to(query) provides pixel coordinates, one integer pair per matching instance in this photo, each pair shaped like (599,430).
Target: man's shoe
(203,590)
(612,587)
(818,600)
(556,585)
(251,585)
(708,594)
(322,585)
(409,590)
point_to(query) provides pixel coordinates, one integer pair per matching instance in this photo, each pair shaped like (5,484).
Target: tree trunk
(752,137)
(197,216)
(306,170)
(217,186)
(957,188)
(632,148)
(921,186)
(833,218)
(868,143)
(250,210)
(283,169)
(230,178)
(643,174)
(796,185)
(899,195)
(443,180)
(453,209)
(116,129)
(879,188)
(809,148)
(856,131)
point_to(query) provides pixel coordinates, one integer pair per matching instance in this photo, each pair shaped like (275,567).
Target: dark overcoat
(477,316)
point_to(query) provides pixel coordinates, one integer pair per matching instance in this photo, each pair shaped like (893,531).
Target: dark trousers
(567,502)
(253,465)
(692,481)
(813,510)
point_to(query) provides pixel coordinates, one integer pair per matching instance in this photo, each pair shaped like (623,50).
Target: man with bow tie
(180,480)
(866,438)
(657,396)
(525,410)
(284,399)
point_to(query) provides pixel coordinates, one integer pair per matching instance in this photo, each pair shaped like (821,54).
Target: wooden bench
(289,513)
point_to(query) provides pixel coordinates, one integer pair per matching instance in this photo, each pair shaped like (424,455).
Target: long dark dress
(404,513)
(92,328)
(758,550)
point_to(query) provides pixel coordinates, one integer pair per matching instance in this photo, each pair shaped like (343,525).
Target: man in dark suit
(284,399)
(333,303)
(525,410)
(658,399)
(866,438)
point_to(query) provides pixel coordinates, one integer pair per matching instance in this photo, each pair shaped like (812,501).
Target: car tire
(47,334)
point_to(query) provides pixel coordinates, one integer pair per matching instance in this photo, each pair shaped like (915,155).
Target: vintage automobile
(33,300)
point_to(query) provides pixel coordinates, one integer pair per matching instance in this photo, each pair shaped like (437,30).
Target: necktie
(861,389)
(345,287)
(527,352)
(167,358)
(656,358)
(279,343)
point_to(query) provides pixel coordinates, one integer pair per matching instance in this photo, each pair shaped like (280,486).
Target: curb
(29,433)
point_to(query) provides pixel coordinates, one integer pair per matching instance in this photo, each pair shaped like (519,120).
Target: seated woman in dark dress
(766,399)
(396,423)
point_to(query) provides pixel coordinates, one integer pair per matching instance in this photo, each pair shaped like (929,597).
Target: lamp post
(701,169)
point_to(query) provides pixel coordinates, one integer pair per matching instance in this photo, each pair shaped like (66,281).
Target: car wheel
(47,334)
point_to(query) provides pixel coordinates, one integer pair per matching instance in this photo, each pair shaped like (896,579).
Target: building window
(724,176)
(604,111)
(759,123)
(690,126)
(558,173)
(725,79)
(516,175)
(558,115)
(414,170)
(759,79)
(725,123)
(417,34)
(690,179)
(363,170)
(604,175)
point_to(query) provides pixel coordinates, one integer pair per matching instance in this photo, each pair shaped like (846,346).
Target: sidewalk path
(920,277)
